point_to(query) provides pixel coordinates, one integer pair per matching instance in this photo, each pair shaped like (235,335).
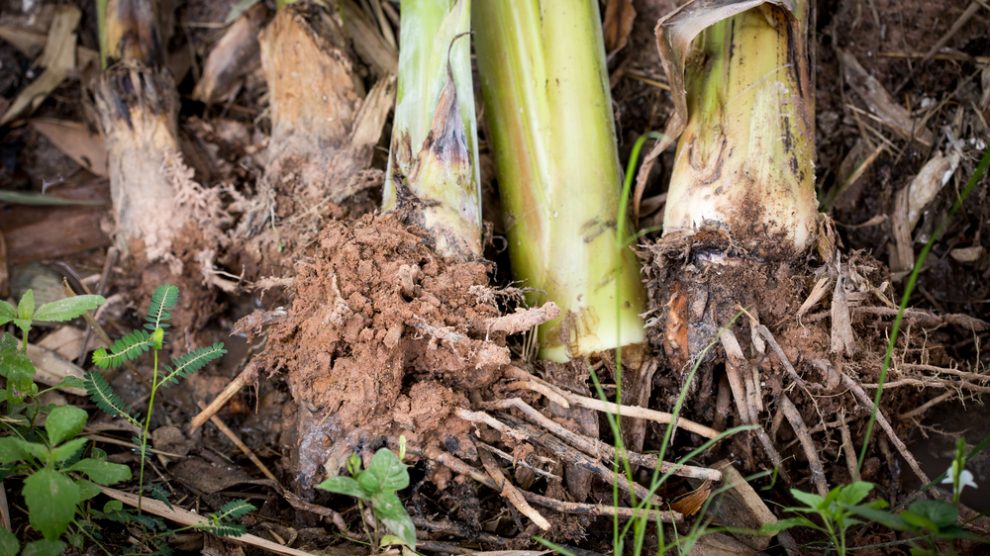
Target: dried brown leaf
(618,24)
(880,103)
(76,141)
(58,59)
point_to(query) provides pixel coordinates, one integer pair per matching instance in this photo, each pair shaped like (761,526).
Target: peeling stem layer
(433,175)
(745,158)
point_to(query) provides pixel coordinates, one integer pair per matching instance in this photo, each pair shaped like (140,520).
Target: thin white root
(510,492)
(810,450)
(527,382)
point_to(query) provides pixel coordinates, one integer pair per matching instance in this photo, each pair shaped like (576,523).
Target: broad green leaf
(7,312)
(35,449)
(10,450)
(113,506)
(51,498)
(23,324)
(44,547)
(942,514)
(9,545)
(785,524)
(25,308)
(15,365)
(887,519)
(919,521)
(854,493)
(385,474)
(343,485)
(87,489)
(68,308)
(65,452)
(101,472)
(65,421)
(389,510)
(808,499)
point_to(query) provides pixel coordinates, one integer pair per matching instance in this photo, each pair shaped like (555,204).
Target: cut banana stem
(433,178)
(744,119)
(550,123)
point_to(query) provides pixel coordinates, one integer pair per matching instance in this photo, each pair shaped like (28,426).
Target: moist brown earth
(383,338)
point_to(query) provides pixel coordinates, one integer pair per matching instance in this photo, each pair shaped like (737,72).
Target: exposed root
(576,508)
(510,492)
(530,382)
(860,395)
(703,283)
(810,450)
(596,448)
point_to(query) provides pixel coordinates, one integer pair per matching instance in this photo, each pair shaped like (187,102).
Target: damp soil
(357,333)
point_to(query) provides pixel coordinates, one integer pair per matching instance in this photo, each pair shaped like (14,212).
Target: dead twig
(190,519)
(244,448)
(921,409)
(248,375)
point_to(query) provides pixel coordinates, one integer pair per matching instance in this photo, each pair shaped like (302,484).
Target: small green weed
(133,345)
(57,479)
(378,485)
(41,443)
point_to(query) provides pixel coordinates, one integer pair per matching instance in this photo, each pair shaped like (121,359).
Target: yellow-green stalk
(745,118)
(549,113)
(433,178)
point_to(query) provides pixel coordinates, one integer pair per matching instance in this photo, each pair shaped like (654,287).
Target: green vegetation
(551,129)
(132,346)
(377,485)
(42,444)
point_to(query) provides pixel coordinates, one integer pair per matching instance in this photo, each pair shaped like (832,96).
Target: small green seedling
(378,485)
(132,346)
(57,479)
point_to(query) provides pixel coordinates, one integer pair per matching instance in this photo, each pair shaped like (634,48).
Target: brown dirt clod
(380,341)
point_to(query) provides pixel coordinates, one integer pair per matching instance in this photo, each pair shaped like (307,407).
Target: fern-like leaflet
(187,364)
(235,509)
(125,349)
(160,309)
(106,399)
(220,523)
(222,529)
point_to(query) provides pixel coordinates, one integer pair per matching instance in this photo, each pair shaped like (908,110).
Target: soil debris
(369,356)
